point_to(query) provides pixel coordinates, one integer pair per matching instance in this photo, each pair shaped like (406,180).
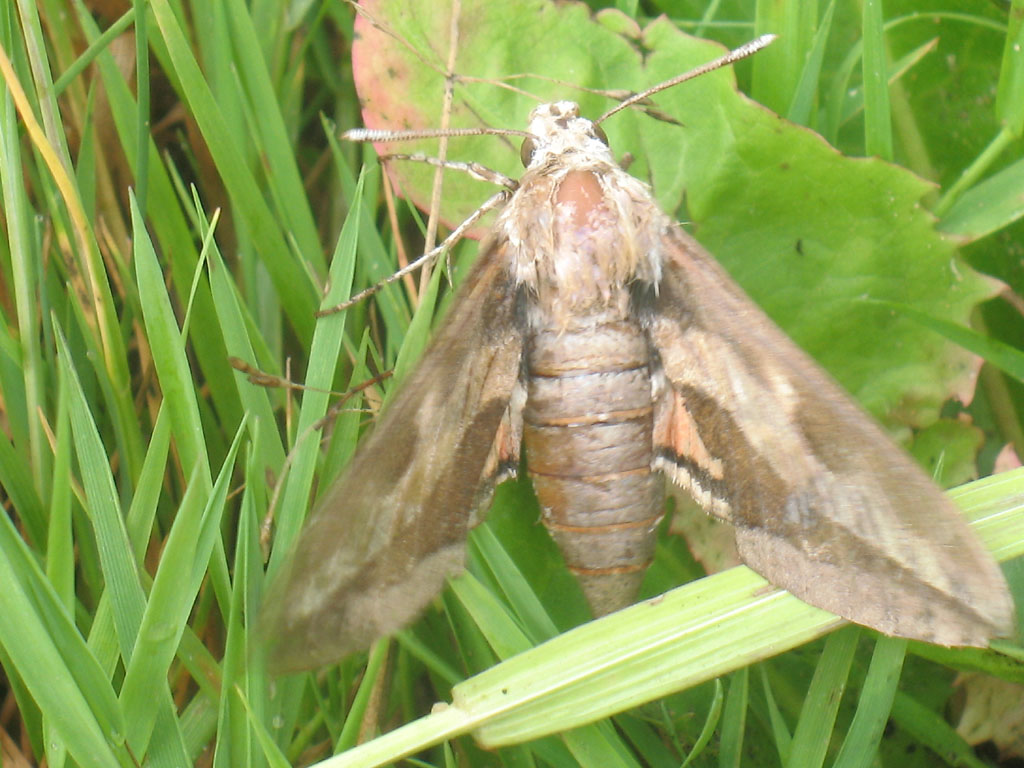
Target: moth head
(557,129)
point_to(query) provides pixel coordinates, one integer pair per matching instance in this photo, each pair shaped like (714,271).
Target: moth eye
(601,135)
(526,151)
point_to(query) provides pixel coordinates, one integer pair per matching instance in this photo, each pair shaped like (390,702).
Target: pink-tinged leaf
(807,232)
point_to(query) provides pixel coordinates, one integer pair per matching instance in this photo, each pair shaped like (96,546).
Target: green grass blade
(818,714)
(875,704)
(686,636)
(187,551)
(934,733)
(1005,357)
(172,366)
(29,646)
(810,75)
(734,720)
(1010,95)
(877,114)
(104,511)
(170,229)
(988,207)
(294,289)
(323,359)
(710,725)
(274,141)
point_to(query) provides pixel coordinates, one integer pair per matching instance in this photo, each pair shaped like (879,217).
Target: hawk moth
(599,335)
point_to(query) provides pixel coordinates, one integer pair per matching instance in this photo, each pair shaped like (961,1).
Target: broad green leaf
(809,233)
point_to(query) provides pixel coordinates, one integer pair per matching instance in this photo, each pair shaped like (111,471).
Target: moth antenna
(474,170)
(614,94)
(485,174)
(732,56)
(380,136)
(492,202)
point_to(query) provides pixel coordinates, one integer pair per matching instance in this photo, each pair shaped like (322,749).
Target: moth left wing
(393,526)
(823,503)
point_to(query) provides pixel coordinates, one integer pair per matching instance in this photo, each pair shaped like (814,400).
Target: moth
(600,339)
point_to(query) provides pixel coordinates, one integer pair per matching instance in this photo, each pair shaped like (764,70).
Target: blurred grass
(173,196)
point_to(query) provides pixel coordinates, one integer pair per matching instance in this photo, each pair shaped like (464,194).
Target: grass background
(173,195)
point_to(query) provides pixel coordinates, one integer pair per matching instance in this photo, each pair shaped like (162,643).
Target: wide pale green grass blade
(689,635)
(635,655)
(229,108)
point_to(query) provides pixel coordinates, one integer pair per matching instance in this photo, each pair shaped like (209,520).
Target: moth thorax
(586,259)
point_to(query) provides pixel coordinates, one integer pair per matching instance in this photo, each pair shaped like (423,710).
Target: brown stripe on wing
(393,526)
(825,505)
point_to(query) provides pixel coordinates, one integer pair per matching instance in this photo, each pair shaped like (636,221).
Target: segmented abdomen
(587,430)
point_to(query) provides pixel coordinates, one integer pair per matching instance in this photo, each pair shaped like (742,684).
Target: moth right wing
(393,525)
(823,503)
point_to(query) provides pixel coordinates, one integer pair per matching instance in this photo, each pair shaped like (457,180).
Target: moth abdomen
(587,430)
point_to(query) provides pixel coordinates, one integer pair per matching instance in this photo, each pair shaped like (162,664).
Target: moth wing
(823,503)
(393,525)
